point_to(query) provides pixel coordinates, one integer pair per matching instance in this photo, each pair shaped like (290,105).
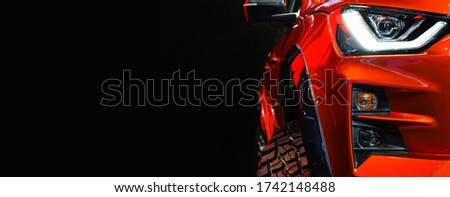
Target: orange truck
(355,88)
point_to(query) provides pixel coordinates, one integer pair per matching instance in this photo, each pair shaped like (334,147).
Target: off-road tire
(285,154)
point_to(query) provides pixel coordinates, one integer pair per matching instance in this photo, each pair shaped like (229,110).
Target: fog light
(369,138)
(366,101)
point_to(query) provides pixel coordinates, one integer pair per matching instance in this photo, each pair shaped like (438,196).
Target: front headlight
(365,30)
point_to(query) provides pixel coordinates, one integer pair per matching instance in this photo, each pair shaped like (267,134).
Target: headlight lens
(386,27)
(364,30)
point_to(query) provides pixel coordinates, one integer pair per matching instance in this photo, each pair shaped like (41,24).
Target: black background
(57,127)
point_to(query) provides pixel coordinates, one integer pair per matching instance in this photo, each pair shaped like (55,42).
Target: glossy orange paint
(435,6)
(320,56)
(417,87)
(403,119)
(267,117)
(404,166)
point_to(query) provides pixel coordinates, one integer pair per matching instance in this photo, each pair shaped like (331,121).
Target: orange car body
(417,87)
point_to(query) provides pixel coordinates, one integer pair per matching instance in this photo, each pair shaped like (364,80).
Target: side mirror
(268,12)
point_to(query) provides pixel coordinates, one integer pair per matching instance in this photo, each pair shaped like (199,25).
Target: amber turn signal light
(366,101)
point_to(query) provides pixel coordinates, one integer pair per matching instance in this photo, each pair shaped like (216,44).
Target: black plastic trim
(392,140)
(315,145)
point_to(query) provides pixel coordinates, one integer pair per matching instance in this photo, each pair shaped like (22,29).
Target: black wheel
(285,154)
